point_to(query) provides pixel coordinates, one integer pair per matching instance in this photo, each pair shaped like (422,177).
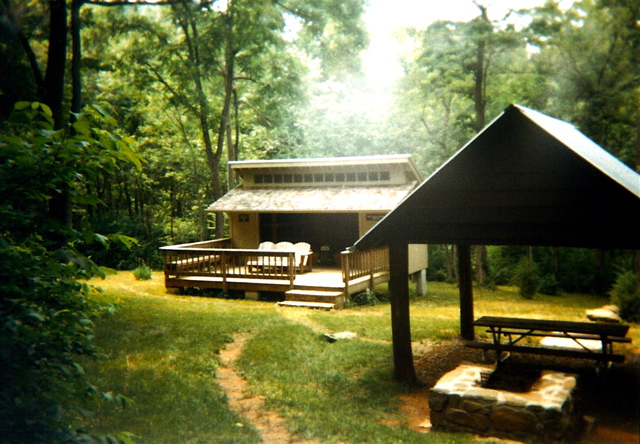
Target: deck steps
(304,304)
(313,299)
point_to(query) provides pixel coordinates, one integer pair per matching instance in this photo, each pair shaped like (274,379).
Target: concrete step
(305,304)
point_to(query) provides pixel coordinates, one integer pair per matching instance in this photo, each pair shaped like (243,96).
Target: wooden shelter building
(327,203)
(526,179)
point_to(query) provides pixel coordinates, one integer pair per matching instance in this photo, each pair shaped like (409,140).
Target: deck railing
(215,259)
(361,264)
(225,242)
(226,263)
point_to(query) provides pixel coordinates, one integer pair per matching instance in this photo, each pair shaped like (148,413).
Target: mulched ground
(611,402)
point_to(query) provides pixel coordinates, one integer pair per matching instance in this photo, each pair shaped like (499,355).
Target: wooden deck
(318,279)
(214,265)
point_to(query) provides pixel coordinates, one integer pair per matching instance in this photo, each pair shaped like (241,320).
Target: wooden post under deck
(223,268)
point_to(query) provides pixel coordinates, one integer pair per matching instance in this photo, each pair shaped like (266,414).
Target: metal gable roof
(525,179)
(337,163)
(586,148)
(350,160)
(312,199)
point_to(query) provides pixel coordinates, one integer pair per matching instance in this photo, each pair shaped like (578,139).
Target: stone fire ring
(546,413)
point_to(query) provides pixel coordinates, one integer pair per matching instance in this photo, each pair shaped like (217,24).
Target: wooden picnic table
(508,332)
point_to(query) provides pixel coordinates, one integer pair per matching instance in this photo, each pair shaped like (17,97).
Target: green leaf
(104,240)
(123,241)
(82,126)
(19,106)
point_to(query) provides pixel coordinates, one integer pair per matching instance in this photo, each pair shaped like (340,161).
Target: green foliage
(549,285)
(46,318)
(168,80)
(366,297)
(142,272)
(626,295)
(527,278)
(328,380)
(166,364)
(589,62)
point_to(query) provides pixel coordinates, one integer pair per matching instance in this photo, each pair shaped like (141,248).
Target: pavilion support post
(400,317)
(465,286)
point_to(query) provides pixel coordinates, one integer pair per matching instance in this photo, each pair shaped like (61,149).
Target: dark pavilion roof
(526,179)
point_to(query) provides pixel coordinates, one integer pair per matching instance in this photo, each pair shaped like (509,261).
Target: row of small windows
(371,176)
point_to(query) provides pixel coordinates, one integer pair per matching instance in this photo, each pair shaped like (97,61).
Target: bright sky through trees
(385,18)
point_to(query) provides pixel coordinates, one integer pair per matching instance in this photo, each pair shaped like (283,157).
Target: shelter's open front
(526,179)
(317,229)
(325,203)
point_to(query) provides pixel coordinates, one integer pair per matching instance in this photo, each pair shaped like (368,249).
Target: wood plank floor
(329,279)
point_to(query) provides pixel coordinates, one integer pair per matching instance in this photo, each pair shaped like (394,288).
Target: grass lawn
(163,353)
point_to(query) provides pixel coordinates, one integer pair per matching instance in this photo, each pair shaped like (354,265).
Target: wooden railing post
(223,269)
(292,268)
(346,269)
(372,264)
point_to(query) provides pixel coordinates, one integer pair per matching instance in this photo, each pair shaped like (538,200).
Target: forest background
(144,103)
(194,85)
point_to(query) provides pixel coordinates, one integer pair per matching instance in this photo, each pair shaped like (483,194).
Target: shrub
(626,295)
(46,316)
(527,278)
(142,272)
(436,274)
(549,285)
(366,297)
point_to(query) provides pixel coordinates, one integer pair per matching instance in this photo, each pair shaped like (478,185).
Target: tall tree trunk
(479,92)
(454,258)
(190,28)
(76,59)
(481,264)
(232,146)
(11,18)
(226,108)
(480,103)
(449,262)
(60,202)
(56,59)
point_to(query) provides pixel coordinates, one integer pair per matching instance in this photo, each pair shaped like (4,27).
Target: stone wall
(545,414)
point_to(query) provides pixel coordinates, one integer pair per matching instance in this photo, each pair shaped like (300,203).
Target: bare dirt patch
(250,407)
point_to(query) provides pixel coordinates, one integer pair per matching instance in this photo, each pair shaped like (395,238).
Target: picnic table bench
(508,332)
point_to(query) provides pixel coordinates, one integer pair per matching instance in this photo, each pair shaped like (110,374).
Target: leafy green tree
(458,72)
(590,61)
(216,80)
(626,295)
(45,314)
(342,118)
